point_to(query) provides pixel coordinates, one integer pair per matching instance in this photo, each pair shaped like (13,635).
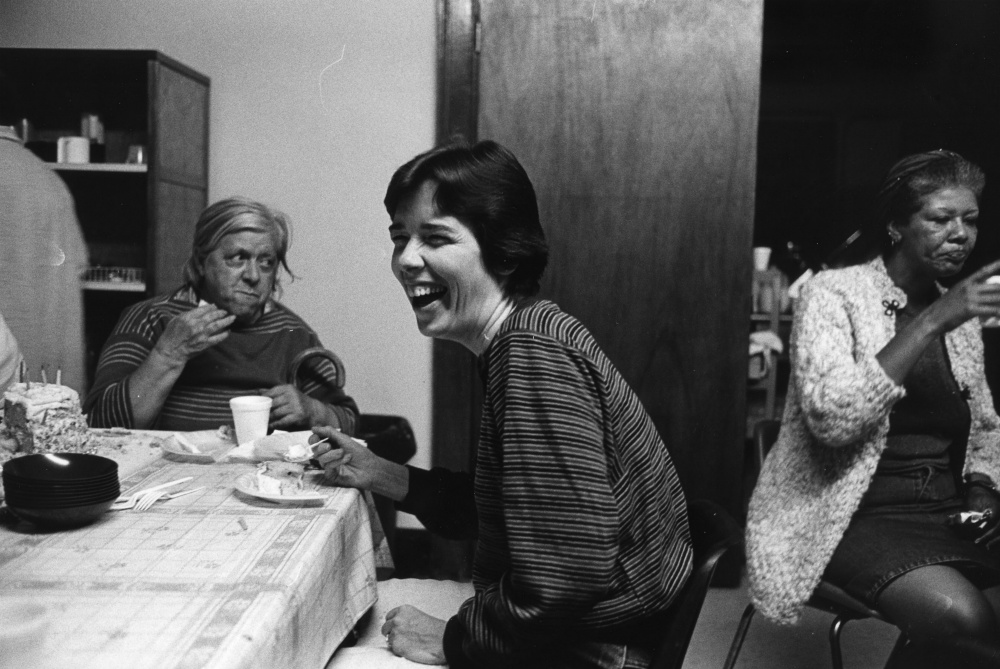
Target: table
(211,579)
(440,599)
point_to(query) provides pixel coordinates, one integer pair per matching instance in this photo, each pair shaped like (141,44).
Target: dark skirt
(879,547)
(902,522)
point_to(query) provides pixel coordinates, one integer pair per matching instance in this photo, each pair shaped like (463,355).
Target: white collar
(8,132)
(500,314)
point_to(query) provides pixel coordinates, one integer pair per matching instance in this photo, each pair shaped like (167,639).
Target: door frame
(456,390)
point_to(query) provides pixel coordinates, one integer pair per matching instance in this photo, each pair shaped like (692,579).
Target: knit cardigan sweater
(834,430)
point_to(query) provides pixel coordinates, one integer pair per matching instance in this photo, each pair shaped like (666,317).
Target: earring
(894,238)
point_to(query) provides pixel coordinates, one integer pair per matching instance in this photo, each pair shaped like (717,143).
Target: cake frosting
(42,417)
(280,478)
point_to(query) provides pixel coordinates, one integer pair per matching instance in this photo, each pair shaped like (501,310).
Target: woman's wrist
(928,325)
(980,480)
(165,361)
(391,480)
(321,413)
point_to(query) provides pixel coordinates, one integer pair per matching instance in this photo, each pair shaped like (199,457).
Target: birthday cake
(42,417)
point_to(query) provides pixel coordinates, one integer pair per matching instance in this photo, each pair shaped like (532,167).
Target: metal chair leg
(835,628)
(741,634)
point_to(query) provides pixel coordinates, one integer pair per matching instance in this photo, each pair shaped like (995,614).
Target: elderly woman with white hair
(174,361)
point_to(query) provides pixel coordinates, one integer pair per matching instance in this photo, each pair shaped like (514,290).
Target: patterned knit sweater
(252,357)
(582,525)
(834,430)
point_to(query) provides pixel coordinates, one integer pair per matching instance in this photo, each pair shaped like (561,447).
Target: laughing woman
(582,531)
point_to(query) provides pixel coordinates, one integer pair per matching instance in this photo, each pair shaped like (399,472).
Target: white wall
(314,103)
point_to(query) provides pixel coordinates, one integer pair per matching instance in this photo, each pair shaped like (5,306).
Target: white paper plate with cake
(280,482)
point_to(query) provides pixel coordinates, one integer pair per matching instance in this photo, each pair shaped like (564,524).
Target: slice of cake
(280,478)
(42,417)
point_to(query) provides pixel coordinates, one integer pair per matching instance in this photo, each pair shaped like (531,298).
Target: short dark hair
(484,186)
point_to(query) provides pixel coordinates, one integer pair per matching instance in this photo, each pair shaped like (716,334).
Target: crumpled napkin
(274,446)
(762,344)
(279,445)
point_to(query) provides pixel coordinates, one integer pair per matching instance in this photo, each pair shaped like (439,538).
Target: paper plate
(208,442)
(247,484)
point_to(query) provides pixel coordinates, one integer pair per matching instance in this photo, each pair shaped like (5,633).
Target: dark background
(850,86)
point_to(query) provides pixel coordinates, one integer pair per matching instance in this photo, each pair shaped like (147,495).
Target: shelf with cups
(770,324)
(127,132)
(119,279)
(99,167)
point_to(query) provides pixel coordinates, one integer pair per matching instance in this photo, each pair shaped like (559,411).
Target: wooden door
(179,167)
(637,122)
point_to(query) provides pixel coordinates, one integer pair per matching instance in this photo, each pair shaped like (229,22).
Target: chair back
(392,438)
(765,433)
(315,352)
(387,436)
(713,532)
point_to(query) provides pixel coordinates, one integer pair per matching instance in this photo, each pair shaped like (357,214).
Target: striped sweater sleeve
(108,404)
(556,504)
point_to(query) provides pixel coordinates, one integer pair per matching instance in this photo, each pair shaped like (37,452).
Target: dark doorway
(849,86)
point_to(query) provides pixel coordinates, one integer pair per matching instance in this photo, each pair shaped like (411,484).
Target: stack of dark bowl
(60,489)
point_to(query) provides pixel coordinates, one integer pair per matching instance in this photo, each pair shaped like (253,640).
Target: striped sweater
(252,358)
(582,525)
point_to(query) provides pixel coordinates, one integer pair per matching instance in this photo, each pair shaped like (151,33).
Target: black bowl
(14,498)
(76,516)
(12,479)
(44,487)
(27,484)
(61,467)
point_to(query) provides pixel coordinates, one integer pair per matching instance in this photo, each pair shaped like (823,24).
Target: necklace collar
(500,314)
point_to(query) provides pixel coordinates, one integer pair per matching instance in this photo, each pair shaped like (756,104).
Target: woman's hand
(351,465)
(414,635)
(969,298)
(346,462)
(982,498)
(184,336)
(290,407)
(192,332)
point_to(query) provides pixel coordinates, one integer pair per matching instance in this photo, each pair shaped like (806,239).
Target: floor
(866,643)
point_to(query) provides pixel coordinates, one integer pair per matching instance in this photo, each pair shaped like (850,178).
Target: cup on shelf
(136,155)
(73,150)
(761,258)
(251,414)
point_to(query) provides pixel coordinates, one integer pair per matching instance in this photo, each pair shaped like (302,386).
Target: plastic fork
(129,501)
(147,501)
(140,493)
(143,502)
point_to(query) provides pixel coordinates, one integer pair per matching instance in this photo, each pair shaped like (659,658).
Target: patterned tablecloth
(212,579)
